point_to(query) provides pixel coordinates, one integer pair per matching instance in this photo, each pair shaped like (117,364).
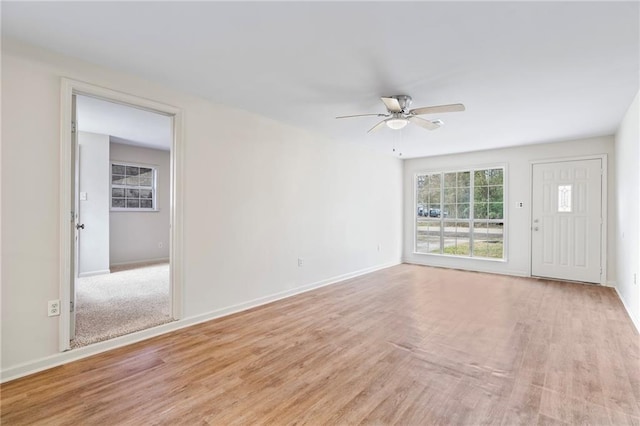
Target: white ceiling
(125,124)
(527,71)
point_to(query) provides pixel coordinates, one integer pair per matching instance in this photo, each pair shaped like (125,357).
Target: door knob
(535,228)
(80,226)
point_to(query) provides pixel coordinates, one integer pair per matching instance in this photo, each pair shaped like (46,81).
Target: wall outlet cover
(53,308)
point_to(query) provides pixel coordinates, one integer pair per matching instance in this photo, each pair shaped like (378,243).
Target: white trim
(153,187)
(604,206)
(471,170)
(512,273)
(132,209)
(66,96)
(605,218)
(414,217)
(455,256)
(68,88)
(635,321)
(94,273)
(45,363)
(176,198)
(142,261)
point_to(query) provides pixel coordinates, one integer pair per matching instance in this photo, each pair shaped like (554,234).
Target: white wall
(257,195)
(627,168)
(142,236)
(518,188)
(93,253)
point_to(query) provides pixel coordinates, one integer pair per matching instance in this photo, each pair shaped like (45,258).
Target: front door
(566,228)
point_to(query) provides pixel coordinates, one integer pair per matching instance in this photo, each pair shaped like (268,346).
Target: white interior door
(566,229)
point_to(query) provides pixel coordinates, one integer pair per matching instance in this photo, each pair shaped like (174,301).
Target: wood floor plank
(407,345)
(549,421)
(572,410)
(523,405)
(622,419)
(392,407)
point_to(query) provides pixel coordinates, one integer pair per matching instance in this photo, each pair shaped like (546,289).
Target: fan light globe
(396,123)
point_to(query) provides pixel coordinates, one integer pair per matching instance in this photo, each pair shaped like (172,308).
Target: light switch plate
(83,196)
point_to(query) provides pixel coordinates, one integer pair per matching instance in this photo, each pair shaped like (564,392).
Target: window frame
(154,187)
(441,220)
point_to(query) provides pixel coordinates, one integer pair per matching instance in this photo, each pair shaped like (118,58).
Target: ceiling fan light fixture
(396,123)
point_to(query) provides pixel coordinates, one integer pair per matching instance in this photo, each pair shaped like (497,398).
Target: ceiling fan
(398,116)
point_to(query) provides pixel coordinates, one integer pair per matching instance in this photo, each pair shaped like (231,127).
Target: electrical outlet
(519,205)
(160,244)
(54,308)
(300,262)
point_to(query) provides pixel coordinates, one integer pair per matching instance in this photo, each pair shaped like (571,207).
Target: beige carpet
(127,300)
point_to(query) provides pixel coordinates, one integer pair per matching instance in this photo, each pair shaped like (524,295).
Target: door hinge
(73,216)
(73,127)
(71,310)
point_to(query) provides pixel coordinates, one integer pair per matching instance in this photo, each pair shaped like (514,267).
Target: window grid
(133,187)
(471,219)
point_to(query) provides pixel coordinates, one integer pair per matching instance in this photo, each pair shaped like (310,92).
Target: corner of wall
(627,194)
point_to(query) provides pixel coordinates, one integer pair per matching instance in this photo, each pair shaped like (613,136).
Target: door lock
(80,226)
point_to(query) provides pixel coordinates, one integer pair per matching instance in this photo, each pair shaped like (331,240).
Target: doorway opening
(120,265)
(123,189)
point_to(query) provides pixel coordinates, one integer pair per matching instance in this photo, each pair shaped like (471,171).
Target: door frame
(68,89)
(604,206)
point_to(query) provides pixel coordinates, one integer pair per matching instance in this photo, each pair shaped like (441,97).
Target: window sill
(117,210)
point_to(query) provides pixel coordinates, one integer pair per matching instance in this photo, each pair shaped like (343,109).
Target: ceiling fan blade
(364,115)
(437,109)
(423,123)
(392,104)
(377,126)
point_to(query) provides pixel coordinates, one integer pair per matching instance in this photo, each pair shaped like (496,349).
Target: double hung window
(133,187)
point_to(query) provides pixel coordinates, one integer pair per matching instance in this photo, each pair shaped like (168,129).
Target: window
(564,198)
(133,187)
(461,213)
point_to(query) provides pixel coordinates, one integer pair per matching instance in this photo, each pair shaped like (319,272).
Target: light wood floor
(407,345)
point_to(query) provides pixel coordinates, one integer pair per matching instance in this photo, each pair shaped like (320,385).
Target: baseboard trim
(143,261)
(61,358)
(94,273)
(483,270)
(287,293)
(635,321)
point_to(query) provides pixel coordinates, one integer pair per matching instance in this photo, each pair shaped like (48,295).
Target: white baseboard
(93,273)
(287,293)
(54,360)
(634,320)
(610,284)
(473,269)
(141,261)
